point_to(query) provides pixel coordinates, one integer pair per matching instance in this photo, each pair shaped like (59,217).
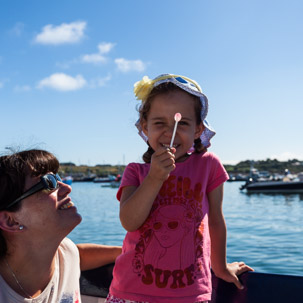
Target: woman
(36,214)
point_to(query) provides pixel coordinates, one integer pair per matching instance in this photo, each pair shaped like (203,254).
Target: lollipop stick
(177,119)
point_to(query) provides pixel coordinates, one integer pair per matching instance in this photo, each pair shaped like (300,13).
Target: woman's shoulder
(68,245)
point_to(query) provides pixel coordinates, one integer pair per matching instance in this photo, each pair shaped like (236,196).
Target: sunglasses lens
(51,181)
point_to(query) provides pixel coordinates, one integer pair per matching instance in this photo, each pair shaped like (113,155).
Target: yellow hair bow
(142,88)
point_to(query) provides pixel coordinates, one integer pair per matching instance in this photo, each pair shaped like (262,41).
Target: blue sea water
(264,231)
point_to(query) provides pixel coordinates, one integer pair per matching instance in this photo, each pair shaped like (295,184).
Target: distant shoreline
(271,165)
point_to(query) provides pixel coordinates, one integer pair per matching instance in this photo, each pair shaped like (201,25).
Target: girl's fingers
(235,269)
(173,150)
(169,165)
(238,283)
(164,151)
(246,268)
(162,163)
(243,267)
(164,155)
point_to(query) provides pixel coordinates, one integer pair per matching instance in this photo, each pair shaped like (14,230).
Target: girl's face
(160,123)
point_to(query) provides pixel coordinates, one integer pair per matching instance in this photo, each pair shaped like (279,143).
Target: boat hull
(275,187)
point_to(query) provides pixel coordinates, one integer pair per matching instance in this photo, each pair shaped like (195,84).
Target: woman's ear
(199,130)
(8,222)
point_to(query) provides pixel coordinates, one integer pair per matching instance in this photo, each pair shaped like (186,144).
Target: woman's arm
(136,202)
(217,229)
(96,255)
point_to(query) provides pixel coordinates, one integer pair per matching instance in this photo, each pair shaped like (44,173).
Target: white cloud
(105,47)
(64,33)
(22,88)
(1,84)
(62,82)
(129,65)
(285,156)
(94,58)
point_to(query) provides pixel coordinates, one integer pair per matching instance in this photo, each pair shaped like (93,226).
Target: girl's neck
(183,158)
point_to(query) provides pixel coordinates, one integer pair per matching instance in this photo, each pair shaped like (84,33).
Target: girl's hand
(162,163)
(233,270)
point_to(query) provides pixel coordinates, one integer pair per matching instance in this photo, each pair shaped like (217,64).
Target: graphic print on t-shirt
(70,298)
(170,245)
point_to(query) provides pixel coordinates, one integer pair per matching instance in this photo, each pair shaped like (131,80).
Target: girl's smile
(160,123)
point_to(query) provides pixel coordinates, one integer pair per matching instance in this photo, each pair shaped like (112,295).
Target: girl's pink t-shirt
(168,258)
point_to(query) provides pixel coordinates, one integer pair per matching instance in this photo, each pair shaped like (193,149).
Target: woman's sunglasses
(48,181)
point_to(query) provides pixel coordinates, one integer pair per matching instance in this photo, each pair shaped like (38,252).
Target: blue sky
(67,70)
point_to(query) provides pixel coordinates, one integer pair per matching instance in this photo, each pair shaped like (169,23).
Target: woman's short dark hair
(144,109)
(13,171)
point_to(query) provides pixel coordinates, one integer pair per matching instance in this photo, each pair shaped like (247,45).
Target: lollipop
(177,118)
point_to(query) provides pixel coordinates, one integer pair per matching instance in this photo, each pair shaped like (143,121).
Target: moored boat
(284,187)
(107,179)
(67,180)
(115,183)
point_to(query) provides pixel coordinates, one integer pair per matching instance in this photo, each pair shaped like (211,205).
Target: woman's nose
(64,188)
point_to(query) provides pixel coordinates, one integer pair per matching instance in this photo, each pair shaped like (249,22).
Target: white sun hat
(143,88)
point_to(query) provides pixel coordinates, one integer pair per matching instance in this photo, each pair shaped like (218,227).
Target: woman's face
(48,213)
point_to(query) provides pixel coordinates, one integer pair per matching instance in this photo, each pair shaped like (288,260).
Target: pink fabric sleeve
(130,178)
(217,174)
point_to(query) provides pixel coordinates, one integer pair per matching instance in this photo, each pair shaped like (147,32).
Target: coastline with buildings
(238,172)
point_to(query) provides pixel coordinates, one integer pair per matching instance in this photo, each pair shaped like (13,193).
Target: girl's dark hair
(13,171)
(144,109)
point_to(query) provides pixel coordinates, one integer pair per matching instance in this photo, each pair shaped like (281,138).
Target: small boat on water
(67,180)
(107,179)
(114,183)
(283,187)
(237,178)
(258,287)
(88,178)
(265,183)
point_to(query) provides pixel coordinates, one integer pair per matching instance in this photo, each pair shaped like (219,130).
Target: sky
(67,70)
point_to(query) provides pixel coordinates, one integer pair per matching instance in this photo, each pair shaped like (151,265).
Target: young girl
(171,206)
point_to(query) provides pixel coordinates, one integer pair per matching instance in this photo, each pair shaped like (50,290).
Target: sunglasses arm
(32,190)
